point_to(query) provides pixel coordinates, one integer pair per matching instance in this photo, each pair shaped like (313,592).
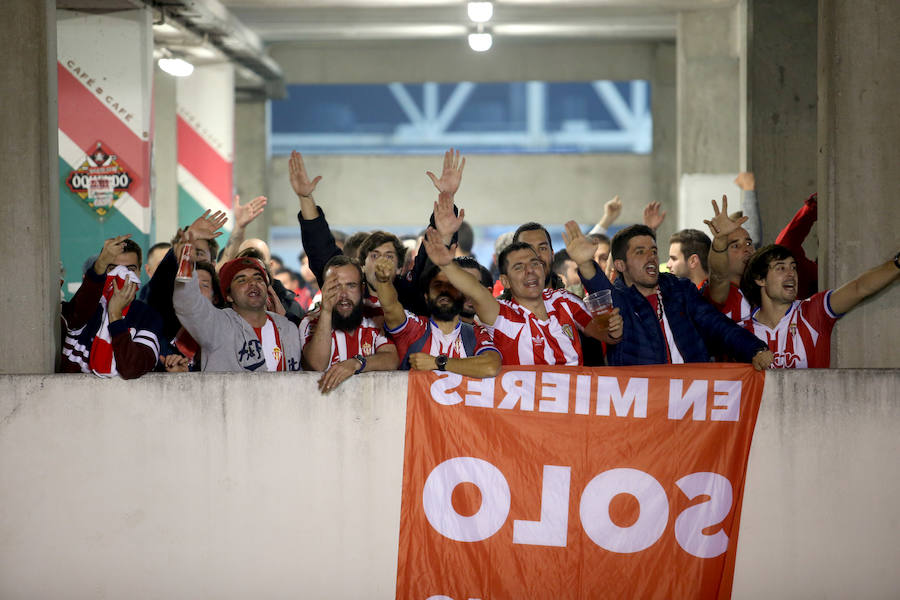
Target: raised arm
(654,216)
(581,249)
(303,186)
(78,311)
(611,211)
(721,226)
(486,306)
(243,216)
(394,315)
(872,281)
(750,205)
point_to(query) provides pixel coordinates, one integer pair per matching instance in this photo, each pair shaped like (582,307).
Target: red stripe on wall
(204,163)
(88,118)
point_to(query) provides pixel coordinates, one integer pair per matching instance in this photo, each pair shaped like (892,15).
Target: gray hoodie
(229,343)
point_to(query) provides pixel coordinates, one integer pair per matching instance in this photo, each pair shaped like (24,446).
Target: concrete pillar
(858,174)
(165,158)
(251,159)
(708,79)
(665,136)
(29,215)
(781,120)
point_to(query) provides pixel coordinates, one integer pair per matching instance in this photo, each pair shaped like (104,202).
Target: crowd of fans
(375,302)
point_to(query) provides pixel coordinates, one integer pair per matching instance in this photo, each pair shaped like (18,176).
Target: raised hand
(653,217)
(244,214)
(384,270)
(330,292)
(581,248)
(273,303)
(207,226)
(445,220)
(300,181)
(746,181)
(439,253)
(121,297)
(112,248)
(721,224)
(611,211)
(451,175)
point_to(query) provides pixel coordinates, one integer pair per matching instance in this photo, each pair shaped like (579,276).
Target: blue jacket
(699,329)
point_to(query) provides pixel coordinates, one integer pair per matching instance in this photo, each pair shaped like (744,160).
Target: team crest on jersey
(366,349)
(100,180)
(567,329)
(276,353)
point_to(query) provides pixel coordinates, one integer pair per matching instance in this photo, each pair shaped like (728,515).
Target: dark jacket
(135,353)
(320,247)
(699,329)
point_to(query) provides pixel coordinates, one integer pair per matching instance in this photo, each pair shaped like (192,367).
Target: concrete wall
(29,170)
(384,191)
(211,486)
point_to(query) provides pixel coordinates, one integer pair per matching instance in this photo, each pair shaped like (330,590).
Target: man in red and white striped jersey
(799,331)
(338,339)
(731,248)
(535,326)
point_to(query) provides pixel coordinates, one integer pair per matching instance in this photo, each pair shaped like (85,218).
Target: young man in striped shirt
(337,338)
(799,331)
(729,252)
(535,326)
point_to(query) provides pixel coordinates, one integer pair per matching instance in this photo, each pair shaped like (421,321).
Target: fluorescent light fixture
(176,67)
(481,12)
(480,42)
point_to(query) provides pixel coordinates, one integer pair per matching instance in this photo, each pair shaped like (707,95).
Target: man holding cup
(666,319)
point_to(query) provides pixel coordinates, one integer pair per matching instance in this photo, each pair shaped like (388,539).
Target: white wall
(211,486)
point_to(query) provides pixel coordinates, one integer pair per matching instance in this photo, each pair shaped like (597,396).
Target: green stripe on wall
(81,233)
(189,209)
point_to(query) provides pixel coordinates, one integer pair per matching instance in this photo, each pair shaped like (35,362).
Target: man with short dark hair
(440,341)
(108,331)
(688,254)
(338,338)
(537,236)
(536,326)
(729,252)
(666,320)
(244,337)
(799,331)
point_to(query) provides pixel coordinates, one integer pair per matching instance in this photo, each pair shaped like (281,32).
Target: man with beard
(799,332)
(666,319)
(442,342)
(338,339)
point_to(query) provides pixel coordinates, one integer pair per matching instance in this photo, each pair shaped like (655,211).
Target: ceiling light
(479,42)
(176,67)
(481,12)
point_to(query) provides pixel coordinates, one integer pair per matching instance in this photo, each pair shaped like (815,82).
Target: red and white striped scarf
(101,360)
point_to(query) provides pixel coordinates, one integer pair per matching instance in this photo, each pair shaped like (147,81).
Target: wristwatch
(897,260)
(441,362)
(362,363)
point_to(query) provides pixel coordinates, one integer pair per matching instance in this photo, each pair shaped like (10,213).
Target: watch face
(441,361)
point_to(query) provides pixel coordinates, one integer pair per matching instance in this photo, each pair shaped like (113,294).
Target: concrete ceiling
(384,20)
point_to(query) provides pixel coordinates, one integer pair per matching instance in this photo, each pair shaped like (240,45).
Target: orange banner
(568,482)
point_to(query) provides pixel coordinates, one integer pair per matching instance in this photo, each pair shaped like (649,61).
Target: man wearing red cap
(244,337)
